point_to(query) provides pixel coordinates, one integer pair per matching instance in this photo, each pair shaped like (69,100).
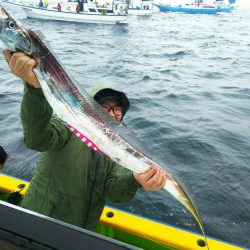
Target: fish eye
(11,24)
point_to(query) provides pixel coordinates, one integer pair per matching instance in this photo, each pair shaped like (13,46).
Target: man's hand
(152,179)
(22,66)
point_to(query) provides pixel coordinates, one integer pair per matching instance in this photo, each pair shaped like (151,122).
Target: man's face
(1,165)
(113,108)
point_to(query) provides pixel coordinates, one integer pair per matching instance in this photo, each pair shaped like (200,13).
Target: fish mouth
(3,13)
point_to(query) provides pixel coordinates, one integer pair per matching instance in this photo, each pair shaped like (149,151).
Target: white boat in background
(140,7)
(91,11)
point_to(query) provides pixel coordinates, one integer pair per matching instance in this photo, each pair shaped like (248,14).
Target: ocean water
(188,79)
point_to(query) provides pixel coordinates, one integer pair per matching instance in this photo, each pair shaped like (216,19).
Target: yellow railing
(136,225)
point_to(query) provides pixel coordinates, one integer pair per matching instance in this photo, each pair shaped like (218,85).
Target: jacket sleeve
(120,185)
(42,130)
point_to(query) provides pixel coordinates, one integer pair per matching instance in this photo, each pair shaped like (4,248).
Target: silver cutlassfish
(74,106)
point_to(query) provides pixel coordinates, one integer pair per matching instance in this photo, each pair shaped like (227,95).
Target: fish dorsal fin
(126,133)
(129,136)
(42,37)
(40,34)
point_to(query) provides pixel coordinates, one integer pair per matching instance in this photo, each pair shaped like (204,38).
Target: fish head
(14,36)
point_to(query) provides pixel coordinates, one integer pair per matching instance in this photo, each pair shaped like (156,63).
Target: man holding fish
(72,182)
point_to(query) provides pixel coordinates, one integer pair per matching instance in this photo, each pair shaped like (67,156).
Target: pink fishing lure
(83,138)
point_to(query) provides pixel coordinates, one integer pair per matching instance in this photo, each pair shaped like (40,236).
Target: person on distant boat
(41,4)
(3,157)
(59,7)
(72,182)
(104,11)
(78,8)
(46,4)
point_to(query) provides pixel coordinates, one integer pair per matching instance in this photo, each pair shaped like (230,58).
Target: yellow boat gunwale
(136,225)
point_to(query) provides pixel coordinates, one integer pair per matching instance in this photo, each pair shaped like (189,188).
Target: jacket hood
(101,92)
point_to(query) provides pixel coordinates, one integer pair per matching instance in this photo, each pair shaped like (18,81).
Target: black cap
(108,93)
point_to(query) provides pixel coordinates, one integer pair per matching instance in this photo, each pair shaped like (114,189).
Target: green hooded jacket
(71,182)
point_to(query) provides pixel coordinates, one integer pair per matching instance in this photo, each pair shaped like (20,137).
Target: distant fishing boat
(116,230)
(140,8)
(90,11)
(196,8)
